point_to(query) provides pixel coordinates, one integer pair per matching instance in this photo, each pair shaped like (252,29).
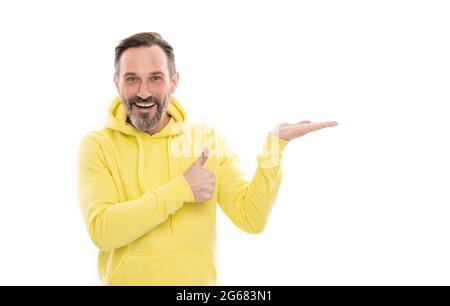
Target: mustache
(151,99)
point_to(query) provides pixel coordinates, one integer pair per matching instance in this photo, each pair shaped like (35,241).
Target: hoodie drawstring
(141,169)
(141,163)
(170,178)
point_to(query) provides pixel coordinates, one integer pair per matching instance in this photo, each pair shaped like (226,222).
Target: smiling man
(150,181)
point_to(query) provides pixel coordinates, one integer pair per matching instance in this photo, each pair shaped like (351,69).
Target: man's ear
(174,84)
(116,81)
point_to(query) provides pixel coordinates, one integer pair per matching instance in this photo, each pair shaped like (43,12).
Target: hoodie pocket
(188,268)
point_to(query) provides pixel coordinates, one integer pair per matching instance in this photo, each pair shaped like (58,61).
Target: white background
(366,202)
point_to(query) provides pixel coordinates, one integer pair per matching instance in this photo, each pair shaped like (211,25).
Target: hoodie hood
(117,120)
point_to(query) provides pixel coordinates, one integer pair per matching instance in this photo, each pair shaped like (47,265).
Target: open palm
(288,131)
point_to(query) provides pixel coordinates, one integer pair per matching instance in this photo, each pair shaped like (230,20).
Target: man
(150,180)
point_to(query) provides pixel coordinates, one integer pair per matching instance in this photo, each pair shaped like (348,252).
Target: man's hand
(201,180)
(289,131)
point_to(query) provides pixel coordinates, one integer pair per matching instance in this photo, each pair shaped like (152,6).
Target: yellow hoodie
(140,211)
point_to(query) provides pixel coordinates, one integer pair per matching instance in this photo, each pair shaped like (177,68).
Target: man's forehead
(143,59)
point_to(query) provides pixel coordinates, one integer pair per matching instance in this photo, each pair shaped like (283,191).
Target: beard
(143,120)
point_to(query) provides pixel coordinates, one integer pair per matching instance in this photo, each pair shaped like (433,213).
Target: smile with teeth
(143,104)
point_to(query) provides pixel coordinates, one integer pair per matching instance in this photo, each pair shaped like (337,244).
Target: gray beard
(143,122)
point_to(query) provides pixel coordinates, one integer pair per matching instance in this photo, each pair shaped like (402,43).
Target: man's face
(144,85)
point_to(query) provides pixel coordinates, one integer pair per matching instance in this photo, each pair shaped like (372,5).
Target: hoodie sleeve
(248,203)
(112,224)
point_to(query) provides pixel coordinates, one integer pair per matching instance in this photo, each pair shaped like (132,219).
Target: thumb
(203,158)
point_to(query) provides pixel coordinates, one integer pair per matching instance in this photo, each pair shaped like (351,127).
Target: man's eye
(131,79)
(156,78)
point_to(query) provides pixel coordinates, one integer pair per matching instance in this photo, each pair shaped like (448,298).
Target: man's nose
(143,92)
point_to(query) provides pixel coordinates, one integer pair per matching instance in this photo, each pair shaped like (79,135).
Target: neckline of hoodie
(161,134)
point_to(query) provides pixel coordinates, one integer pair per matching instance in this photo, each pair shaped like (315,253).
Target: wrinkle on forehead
(144,60)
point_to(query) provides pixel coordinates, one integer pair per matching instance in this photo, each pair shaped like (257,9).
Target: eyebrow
(151,73)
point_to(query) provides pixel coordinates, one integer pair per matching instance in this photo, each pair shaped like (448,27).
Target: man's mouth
(144,104)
